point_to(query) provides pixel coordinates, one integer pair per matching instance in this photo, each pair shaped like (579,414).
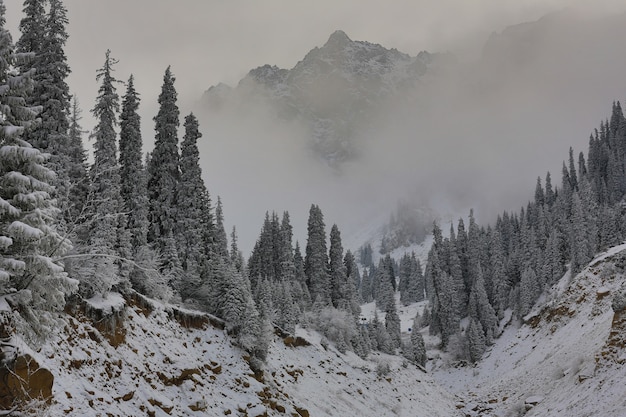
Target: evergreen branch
(103,255)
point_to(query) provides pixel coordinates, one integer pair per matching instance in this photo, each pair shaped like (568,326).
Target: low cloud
(476,138)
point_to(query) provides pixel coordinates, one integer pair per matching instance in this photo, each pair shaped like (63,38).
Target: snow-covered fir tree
(264,261)
(194,228)
(304,300)
(480,309)
(342,288)
(78,171)
(411,280)
(475,340)
(379,336)
(32,279)
(352,270)
(316,258)
(44,34)
(33,28)
(393,326)
(108,242)
(132,173)
(365,290)
(417,346)
(236,257)
(220,241)
(164,172)
(384,294)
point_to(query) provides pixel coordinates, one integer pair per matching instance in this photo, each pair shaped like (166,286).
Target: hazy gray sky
(211,41)
(208,41)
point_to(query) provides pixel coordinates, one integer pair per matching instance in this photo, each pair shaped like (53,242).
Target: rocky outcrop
(24,380)
(614,350)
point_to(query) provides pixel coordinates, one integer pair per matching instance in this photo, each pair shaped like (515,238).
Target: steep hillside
(121,357)
(566,359)
(136,357)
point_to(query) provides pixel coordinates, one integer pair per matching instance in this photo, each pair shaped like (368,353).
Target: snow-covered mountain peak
(334,90)
(269,75)
(338,39)
(359,59)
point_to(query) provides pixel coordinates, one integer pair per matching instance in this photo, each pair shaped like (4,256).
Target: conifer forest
(89,217)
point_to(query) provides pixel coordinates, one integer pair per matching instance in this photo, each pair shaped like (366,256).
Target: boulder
(25,380)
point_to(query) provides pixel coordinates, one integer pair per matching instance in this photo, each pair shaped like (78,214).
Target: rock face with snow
(24,381)
(333,89)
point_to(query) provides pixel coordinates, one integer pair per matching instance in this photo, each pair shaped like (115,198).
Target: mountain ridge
(332,90)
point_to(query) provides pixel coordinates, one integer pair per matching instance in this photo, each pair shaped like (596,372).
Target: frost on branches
(30,278)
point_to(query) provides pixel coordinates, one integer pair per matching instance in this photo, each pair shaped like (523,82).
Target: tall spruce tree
(305,300)
(379,336)
(481,310)
(352,269)
(404,273)
(417,343)
(31,278)
(132,172)
(415,290)
(354,278)
(549,193)
(33,29)
(384,294)
(144,275)
(393,326)
(107,240)
(337,270)
(54,92)
(236,257)
(365,291)
(528,291)
(79,178)
(443,295)
(220,240)
(194,232)
(582,250)
(78,208)
(316,259)
(260,263)
(45,35)
(475,340)
(163,168)
(287,268)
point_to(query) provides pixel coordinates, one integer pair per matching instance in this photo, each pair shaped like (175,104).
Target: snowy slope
(565,356)
(129,357)
(153,359)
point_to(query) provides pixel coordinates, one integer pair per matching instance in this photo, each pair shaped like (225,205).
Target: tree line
(147,223)
(128,222)
(486,273)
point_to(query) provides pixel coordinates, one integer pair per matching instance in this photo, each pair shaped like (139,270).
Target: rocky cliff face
(333,90)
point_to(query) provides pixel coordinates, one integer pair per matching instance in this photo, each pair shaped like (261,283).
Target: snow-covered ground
(555,360)
(151,364)
(566,359)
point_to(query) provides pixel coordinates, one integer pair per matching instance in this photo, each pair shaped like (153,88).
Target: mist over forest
(463,252)
(524,100)
(473,134)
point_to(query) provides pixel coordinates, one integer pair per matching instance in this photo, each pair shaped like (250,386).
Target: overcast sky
(211,41)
